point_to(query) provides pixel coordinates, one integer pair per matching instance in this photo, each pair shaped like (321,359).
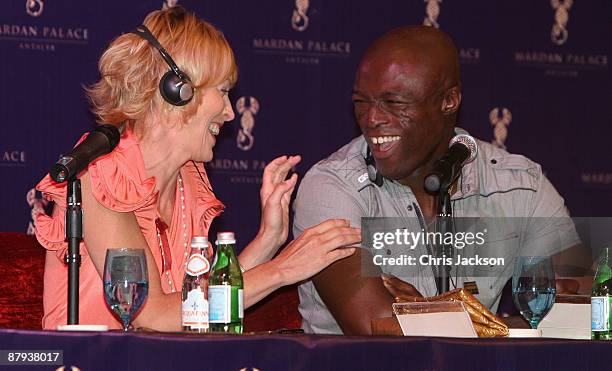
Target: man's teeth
(213,128)
(381,140)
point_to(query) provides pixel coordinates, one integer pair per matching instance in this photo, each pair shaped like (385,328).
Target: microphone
(100,141)
(462,150)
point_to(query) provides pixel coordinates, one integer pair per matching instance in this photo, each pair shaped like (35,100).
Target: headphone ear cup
(373,173)
(375,176)
(175,90)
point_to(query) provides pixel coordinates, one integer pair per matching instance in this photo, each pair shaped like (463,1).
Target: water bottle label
(195,310)
(240,304)
(600,311)
(220,301)
(197,265)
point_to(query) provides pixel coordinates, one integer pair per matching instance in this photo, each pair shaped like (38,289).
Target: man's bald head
(420,45)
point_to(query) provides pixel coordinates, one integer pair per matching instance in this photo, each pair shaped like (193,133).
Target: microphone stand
(74,235)
(444,223)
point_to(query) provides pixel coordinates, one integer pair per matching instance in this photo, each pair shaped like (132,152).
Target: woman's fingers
(283,189)
(269,173)
(325,226)
(283,168)
(316,248)
(277,169)
(340,253)
(287,195)
(275,173)
(339,237)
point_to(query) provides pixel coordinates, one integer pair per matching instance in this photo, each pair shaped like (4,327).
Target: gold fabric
(486,324)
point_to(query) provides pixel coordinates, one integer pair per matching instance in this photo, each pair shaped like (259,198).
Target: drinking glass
(533,287)
(126,282)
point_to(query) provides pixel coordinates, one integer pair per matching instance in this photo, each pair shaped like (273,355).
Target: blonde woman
(152,192)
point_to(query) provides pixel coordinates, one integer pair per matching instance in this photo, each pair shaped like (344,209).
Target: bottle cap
(199,241)
(225,238)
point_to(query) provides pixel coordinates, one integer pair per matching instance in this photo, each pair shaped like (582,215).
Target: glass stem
(534,323)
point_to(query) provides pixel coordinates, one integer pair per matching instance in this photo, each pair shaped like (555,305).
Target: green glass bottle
(601,299)
(225,285)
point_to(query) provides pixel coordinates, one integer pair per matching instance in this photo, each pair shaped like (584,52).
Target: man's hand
(399,288)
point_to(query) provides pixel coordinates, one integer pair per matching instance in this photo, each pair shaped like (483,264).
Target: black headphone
(175,86)
(373,173)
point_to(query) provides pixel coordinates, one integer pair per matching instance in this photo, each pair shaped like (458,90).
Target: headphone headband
(175,86)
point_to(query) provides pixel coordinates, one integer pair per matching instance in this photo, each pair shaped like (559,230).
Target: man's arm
(552,233)
(352,298)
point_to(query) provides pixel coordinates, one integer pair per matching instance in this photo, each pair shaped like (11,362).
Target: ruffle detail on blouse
(207,205)
(118,181)
(50,232)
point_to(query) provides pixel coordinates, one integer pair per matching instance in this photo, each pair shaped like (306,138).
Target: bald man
(406,96)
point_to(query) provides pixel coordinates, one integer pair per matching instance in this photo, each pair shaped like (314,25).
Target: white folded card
(567,321)
(442,318)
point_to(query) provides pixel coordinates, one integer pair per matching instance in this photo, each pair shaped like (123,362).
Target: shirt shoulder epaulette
(347,165)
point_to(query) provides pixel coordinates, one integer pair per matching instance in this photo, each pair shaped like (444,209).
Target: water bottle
(601,300)
(195,287)
(225,288)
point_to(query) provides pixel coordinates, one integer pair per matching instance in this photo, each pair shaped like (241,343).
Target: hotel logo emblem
(247,107)
(299,19)
(500,124)
(433,11)
(34,7)
(558,34)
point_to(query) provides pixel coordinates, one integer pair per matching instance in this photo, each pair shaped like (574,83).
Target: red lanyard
(162,232)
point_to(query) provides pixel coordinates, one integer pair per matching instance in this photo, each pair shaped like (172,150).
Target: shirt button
(409,208)
(388,252)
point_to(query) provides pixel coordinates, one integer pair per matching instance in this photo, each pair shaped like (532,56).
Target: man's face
(397,103)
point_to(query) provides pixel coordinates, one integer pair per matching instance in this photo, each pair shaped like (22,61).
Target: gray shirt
(495,185)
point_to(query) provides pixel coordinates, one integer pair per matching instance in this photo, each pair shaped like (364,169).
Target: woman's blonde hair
(131,68)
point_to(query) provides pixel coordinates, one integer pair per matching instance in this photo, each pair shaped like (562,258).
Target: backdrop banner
(535,81)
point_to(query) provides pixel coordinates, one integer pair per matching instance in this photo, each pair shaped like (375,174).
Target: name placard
(444,319)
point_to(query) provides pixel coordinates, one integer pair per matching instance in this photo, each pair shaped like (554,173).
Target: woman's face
(202,129)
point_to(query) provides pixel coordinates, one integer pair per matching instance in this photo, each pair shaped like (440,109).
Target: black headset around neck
(373,173)
(175,86)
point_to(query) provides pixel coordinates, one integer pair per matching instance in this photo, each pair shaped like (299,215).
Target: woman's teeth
(381,140)
(213,128)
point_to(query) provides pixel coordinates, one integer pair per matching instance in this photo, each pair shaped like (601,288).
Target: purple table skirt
(162,351)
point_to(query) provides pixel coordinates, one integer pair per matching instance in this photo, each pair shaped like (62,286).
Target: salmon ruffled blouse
(119,182)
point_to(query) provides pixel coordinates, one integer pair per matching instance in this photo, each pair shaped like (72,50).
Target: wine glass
(533,287)
(126,282)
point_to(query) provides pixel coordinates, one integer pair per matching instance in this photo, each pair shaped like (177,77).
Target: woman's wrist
(267,241)
(261,249)
(275,274)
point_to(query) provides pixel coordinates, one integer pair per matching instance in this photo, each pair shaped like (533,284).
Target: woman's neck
(163,158)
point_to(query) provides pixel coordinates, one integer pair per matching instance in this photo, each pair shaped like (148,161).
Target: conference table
(137,350)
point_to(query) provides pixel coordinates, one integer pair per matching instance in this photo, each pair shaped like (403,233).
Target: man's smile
(382,145)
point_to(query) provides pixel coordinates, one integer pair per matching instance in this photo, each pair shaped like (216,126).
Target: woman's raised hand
(315,249)
(275,194)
